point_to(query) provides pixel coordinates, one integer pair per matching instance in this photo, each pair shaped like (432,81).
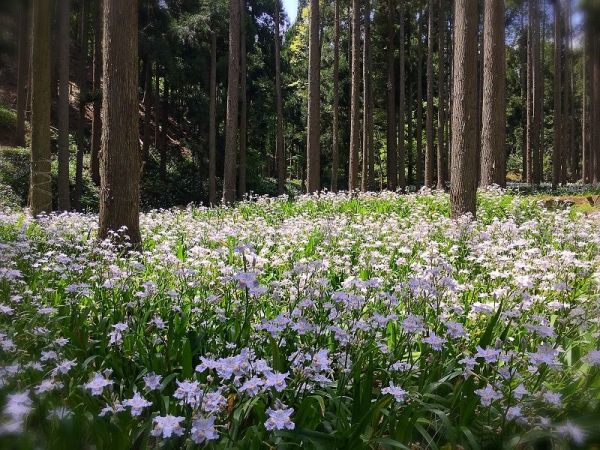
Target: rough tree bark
(535,92)
(120,158)
(233,84)
(392,160)
(419,125)
(40,190)
(493,131)
(429,116)
(463,187)
(243,102)
(355,99)
(335,151)
(63,16)
(313,151)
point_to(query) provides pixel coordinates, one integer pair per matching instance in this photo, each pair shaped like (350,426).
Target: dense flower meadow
(332,322)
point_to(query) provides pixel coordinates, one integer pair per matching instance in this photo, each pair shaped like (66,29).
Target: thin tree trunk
(429,152)
(367,161)
(40,191)
(335,151)
(585,109)
(23,71)
(463,188)
(280,149)
(355,99)
(556,150)
(243,102)
(212,123)
(493,134)
(535,100)
(120,158)
(160,123)
(419,125)
(233,84)
(335,155)
(527,83)
(402,104)
(82,81)
(441,162)
(595,103)
(97,118)
(63,16)
(313,151)
(392,161)
(410,178)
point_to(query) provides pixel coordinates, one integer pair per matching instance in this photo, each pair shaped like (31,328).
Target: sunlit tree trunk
(63,16)
(493,132)
(441,161)
(557,144)
(402,104)
(419,121)
(120,158)
(355,99)
(313,153)
(463,187)
(40,190)
(367,156)
(429,152)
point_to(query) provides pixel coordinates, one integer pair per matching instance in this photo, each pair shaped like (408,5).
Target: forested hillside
(374,226)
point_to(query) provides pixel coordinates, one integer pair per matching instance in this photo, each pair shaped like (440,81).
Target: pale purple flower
(137,403)
(97,384)
(188,392)
(280,419)
(572,432)
(203,430)
(276,380)
(488,395)
(435,341)
(167,426)
(593,358)
(213,402)
(152,381)
(397,392)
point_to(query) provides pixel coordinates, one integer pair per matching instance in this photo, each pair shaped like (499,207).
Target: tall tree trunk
(463,187)
(243,102)
(97,118)
(40,191)
(402,104)
(335,151)
(120,158)
(595,103)
(419,124)
(355,99)
(367,157)
(429,152)
(585,109)
(410,166)
(160,121)
(557,145)
(313,151)
(569,101)
(82,81)
(441,163)
(233,84)
(535,100)
(493,134)
(280,149)
(212,123)
(23,71)
(63,16)
(392,161)
(526,76)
